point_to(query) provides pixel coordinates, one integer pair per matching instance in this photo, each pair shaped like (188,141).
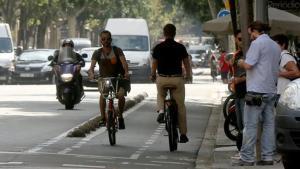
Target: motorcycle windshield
(66,55)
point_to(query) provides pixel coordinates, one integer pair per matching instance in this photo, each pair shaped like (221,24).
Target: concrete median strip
(93,124)
(205,154)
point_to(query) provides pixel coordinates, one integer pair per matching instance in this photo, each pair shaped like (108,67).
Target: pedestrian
(239,81)
(112,63)
(213,67)
(288,69)
(262,70)
(166,70)
(223,66)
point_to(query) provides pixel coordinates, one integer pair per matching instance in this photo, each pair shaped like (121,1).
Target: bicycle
(110,113)
(171,118)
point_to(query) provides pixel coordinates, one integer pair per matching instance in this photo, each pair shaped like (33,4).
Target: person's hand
(91,75)
(189,78)
(153,77)
(126,76)
(240,62)
(78,67)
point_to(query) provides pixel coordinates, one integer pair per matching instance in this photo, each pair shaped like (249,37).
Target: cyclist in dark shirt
(168,57)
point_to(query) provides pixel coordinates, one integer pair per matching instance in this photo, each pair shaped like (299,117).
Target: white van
(132,36)
(6,53)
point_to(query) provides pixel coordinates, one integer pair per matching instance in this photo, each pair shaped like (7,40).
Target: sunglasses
(105,39)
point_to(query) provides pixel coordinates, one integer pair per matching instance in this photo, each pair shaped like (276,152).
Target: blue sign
(222,13)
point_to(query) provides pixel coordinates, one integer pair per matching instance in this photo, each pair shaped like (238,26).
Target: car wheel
(290,161)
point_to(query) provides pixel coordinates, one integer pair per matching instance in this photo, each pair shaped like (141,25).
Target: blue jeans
(252,115)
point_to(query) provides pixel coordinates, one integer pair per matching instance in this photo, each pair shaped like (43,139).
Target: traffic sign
(223,12)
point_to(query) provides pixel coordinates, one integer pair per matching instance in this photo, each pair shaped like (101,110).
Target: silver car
(287,122)
(84,70)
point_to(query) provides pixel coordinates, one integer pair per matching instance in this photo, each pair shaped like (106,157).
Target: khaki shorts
(104,90)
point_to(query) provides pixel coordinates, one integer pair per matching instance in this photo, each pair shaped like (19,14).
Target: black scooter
(68,87)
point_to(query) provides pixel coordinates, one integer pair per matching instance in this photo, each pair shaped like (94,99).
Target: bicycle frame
(110,113)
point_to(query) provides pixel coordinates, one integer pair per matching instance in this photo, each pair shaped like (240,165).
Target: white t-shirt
(282,81)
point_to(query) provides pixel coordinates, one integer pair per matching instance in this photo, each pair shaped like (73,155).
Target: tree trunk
(41,35)
(213,10)
(23,29)
(72,26)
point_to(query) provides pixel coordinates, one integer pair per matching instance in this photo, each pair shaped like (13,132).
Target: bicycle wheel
(230,101)
(111,128)
(230,127)
(171,123)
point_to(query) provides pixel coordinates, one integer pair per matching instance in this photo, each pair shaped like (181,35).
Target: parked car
(84,70)
(287,125)
(32,66)
(200,55)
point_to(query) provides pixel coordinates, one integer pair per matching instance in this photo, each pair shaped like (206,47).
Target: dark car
(287,122)
(200,54)
(32,66)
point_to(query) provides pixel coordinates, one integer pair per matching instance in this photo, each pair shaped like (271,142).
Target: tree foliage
(83,18)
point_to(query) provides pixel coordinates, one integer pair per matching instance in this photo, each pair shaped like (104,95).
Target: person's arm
(252,56)
(92,66)
(187,67)
(125,66)
(291,72)
(91,69)
(55,57)
(241,63)
(238,80)
(153,69)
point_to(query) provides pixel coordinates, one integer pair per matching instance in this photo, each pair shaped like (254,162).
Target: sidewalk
(216,149)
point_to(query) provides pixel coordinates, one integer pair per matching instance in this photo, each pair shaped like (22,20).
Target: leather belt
(175,75)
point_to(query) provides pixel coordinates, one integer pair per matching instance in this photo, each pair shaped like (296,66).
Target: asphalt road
(34,128)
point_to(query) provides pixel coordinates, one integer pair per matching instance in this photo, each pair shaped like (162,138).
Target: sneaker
(241,162)
(121,124)
(183,138)
(161,118)
(236,156)
(262,162)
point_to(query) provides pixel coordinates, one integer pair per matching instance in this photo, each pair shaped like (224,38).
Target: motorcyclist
(79,60)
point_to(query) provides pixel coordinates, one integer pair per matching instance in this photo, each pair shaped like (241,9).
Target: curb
(93,123)
(205,154)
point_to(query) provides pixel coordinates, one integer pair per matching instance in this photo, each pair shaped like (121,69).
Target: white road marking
(82,166)
(170,162)
(147,164)
(97,132)
(11,163)
(52,141)
(148,142)
(71,155)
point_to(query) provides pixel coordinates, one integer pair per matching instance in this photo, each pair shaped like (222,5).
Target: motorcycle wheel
(230,101)
(230,127)
(68,101)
